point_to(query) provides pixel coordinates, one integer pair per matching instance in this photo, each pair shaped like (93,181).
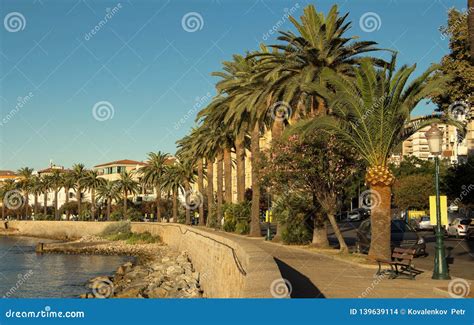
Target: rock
(174,270)
(87,296)
(129,293)
(157,293)
(195,276)
(165,259)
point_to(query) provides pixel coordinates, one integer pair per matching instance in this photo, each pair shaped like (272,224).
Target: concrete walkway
(313,275)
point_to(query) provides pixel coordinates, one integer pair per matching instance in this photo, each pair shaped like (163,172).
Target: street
(459,252)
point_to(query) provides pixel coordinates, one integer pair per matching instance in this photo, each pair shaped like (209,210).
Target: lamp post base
(440,271)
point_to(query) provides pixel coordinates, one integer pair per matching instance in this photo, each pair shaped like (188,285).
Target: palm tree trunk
(240,155)
(68,214)
(380,223)
(93,203)
(175,205)
(228,175)
(125,202)
(109,207)
(255,213)
(187,189)
(26,205)
(35,209)
(210,192)
(158,202)
(56,211)
(470,23)
(220,185)
(79,200)
(320,232)
(3,211)
(200,168)
(45,202)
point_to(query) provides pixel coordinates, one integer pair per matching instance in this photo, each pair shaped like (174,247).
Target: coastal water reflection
(24,274)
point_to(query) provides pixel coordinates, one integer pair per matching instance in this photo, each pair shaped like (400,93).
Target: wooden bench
(400,265)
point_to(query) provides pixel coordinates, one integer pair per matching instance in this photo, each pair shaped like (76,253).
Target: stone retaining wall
(230,266)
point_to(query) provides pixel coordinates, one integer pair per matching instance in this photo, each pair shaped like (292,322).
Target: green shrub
(229,225)
(242,227)
(132,238)
(294,211)
(122,227)
(42,216)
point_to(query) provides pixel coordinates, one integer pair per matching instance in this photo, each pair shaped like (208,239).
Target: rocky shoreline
(157,272)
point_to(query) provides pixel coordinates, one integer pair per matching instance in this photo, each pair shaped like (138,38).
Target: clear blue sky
(150,69)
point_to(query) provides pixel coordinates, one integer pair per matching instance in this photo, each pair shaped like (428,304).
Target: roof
(7,173)
(52,169)
(122,162)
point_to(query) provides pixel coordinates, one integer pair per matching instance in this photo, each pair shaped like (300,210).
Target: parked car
(402,235)
(354,216)
(470,230)
(424,223)
(458,227)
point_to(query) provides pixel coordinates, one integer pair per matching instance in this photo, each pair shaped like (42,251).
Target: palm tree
(153,174)
(470,22)
(36,190)
(109,191)
(78,173)
(186,174)
(26,174)
(127,185)
(45,188)
(68,183)
(55,182)
(371,113)
(6,186)
(172,182)
(92,182)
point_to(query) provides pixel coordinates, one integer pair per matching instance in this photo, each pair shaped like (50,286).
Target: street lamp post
(435,141)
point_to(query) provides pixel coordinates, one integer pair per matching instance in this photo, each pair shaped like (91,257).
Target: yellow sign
(443,201)
(416,213)
(268,216)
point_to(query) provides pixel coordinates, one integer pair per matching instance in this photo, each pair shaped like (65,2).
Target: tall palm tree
(153,174)
(173,182)
(186,173)
(92,182)
(55,182)
(78,173)
(127,185)
(45,188)
(26,174)
(6,186)
(470,22)
(36,190)
(109,191)
(371,113)
(68,182)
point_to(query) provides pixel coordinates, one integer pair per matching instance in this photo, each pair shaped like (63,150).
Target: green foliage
(294,212)
(237,217)
(134,238)
(459,184)
(42,216)
(122,227)
(413,191)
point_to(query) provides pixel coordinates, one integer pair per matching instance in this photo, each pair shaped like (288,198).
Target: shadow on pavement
(302,287)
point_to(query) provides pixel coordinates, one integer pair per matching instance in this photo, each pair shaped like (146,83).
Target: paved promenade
(314,275)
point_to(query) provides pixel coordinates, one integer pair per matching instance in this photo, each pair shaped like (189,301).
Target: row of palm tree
(323,80)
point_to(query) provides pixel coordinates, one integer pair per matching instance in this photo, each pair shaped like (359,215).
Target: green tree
(78,173)
(413,191)
(26,174)
(92,182)
(127,185)
(109,191)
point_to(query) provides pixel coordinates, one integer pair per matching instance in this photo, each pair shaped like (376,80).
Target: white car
(425,223)
(354,216)
(458,227)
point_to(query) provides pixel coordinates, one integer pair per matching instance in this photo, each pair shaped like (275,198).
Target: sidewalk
(313,275)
